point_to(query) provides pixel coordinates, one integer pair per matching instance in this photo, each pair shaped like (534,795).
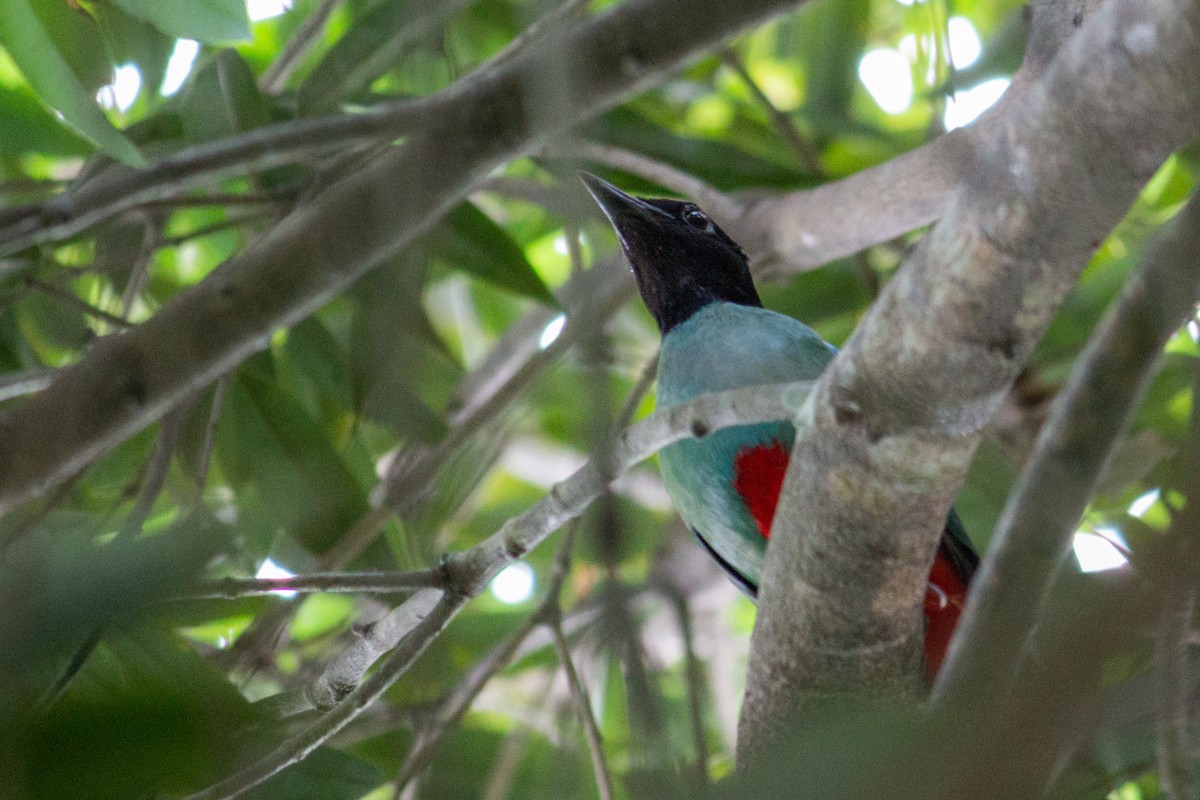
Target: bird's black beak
(623,210)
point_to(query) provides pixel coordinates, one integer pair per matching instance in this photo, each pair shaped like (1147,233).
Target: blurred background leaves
(273,467)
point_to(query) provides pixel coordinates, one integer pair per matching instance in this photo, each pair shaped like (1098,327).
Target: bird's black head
(681,259)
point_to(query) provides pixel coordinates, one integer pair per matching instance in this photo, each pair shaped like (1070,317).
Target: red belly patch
(758,477)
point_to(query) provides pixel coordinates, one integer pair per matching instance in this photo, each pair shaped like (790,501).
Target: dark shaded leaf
(29,128)
(321,361)
(376,40)
(145,712)
(267,439)
(60,586)
(834,36)
(76,37)
(719,163)
(130,39)
(221,99)
(393,350)
(470,241)
(327,774)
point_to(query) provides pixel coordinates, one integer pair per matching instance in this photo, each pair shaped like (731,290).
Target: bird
(696,283)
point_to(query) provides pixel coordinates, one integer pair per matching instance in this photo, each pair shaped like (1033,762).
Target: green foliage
(55,48)
(445,340)
(203,20)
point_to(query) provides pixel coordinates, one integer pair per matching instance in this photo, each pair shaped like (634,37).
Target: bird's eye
(697,219)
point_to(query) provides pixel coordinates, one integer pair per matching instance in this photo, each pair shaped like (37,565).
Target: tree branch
(802,230)
(1034,532)
(378,582)
(1179,578)
(128,381)
(896,417)
(411,626)
(583,708)
(389,670)
(276,75)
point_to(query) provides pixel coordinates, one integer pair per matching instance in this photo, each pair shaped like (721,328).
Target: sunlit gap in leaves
(967,104)
(888,78)
(513,584)
(120,94)
(965,46)
(179,66)
(1143,503)
(269,569)
(552,331)
(265,9)
(1100,549)
(887,74)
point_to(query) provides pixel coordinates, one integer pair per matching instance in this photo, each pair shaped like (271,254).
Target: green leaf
(35,48)
(470,241)
(143,712)
(53,327)
(221,99)
(394,352)
(29,128)
(202,20)
(267,440)
(834,35)
(720,164)
(369,48)
(130,39)
(75,35)
(318,357)
(327,774)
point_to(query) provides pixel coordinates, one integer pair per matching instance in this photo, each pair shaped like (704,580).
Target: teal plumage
(727,346)
(696,283)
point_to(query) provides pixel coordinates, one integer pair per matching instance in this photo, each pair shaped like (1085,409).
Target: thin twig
(1173,752)
(334,582)
(284,277)
(140,269)
(215,227)
(469,572)
(583,708)
(387,673)
(210,435)
(556,19)
(218,199)
(156,469)
(720,205)
(118,188)
(805,151)
(1181,579)
(454,706)
(456,703)
(645,379)
(26,381)
(694,674)
(589,296)
(73,300)
(78,659)
(276,75)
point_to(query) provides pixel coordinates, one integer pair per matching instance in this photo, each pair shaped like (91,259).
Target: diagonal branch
(381,582)
(126,382)
(896,417)
(1034,532)
(802,230)
(409,628)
